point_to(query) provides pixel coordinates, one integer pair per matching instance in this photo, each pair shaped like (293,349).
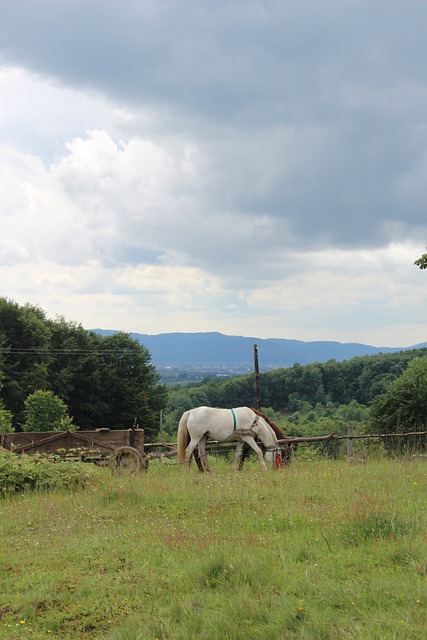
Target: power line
(40,352)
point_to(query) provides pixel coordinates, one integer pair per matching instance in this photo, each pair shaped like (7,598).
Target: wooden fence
(223,448)
(350,437)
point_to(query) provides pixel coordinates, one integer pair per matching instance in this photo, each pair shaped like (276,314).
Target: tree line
(383,393)
(107,381)
(104,381)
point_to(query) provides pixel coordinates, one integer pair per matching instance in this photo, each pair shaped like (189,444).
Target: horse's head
(270,457)
(268,437)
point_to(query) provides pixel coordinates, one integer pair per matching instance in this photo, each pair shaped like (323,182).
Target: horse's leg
(253,445)
(196,455)
(202,453)
(238,457)
(189,452)
(244,455)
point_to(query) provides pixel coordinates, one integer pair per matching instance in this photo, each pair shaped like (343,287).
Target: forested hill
(109,379)
(219,350)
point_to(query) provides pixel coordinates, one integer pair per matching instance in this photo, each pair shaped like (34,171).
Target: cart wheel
(126,460)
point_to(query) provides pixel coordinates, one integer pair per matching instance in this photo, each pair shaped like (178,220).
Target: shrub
(66,424)
(44,411)
(20,473)
(6,419)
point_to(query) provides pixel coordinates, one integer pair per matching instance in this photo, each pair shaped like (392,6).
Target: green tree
(6,421)
(129,385)
(74,374)
(103,380)
(422,262)
(44,411)
(229,392)
(352,413)
(24,343)
(402,407)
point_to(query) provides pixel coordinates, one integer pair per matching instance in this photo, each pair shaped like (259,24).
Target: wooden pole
(350,441)
(161,425)
(256,367)
(333,436)
(132,433)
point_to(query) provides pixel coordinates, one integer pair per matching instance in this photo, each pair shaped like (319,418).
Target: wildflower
(22,622)
(300,613)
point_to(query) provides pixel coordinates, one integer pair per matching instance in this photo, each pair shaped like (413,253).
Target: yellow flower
(22,622)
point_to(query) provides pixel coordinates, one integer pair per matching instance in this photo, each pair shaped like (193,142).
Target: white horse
(241,425)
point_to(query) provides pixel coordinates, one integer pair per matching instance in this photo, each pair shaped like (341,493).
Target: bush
(6,419)
(44,411)
(66,424)
(402,408)
(20,473)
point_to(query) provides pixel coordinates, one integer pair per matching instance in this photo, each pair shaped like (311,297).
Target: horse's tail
(183,437)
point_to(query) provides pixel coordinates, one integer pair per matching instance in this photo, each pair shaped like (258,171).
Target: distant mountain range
(216,350)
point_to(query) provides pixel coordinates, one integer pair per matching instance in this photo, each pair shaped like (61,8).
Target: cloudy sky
(252,167)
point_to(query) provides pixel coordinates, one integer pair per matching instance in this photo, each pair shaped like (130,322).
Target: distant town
(174,375)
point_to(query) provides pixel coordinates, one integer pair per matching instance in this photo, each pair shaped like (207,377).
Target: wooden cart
(123,450)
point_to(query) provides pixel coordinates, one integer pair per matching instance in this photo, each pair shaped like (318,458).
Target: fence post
(350,441)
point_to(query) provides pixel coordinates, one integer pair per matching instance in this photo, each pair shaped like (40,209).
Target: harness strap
(255,422)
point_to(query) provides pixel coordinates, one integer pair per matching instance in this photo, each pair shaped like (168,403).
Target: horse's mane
(277,430)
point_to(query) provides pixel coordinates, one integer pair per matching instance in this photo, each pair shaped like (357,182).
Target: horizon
(383,346)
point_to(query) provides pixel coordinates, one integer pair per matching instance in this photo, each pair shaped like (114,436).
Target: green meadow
(318,550)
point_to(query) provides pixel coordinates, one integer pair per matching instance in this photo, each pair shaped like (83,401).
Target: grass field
(319,550)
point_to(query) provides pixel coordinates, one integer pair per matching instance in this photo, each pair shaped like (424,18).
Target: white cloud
(245,168)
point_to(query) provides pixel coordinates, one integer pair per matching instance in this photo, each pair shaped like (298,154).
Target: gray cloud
(225,140)
(199,53)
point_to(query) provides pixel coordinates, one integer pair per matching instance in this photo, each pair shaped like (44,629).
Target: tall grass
(319,550)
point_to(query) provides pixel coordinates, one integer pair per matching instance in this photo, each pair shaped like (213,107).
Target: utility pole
(256,367)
